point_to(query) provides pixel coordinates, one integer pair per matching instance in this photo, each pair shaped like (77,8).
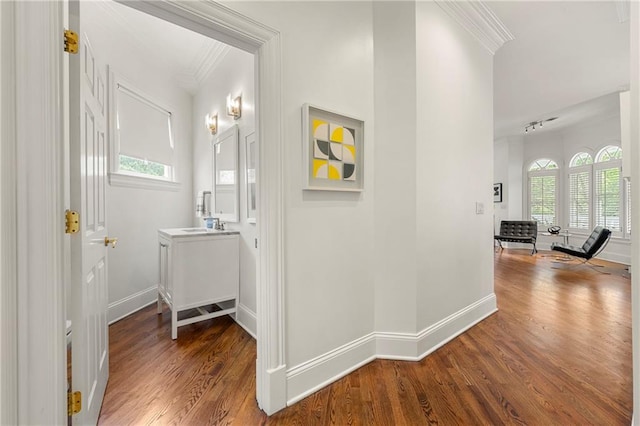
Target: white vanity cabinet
(198,268)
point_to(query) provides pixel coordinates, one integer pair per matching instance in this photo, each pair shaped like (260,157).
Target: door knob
(112,241)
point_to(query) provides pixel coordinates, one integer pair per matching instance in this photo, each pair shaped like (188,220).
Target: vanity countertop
(194,232)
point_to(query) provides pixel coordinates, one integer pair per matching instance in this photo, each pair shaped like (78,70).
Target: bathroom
(193,78)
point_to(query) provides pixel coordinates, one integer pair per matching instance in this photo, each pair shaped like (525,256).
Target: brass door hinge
(74,403)
(70,41)
(72,222)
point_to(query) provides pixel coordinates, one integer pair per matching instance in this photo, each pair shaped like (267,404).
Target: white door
(88,160)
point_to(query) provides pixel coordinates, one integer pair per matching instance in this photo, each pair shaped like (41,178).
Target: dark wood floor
(557,352)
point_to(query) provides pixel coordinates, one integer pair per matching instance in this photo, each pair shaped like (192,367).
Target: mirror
(225,176)
(250,145)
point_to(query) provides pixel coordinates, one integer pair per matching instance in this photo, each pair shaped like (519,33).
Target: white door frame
(32,211)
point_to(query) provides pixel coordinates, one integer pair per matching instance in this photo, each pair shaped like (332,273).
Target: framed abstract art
(497,192)
(333,150)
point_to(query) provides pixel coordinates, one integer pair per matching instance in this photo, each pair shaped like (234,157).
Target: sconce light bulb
(212,123)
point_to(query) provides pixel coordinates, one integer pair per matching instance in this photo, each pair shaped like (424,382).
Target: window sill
(617,238)
(130,181)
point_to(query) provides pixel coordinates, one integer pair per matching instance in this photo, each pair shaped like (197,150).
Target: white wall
(507,169)
(377,274)
(134,215)
(454,151)
(395,173)
(234,75)
(327,60)
(501,175)
(560,146)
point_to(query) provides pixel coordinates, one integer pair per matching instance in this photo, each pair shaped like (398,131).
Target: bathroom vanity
(199,272)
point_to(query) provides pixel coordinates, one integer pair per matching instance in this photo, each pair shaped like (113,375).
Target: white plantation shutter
(542,197)
(628,210)
(580,198)
(607,200)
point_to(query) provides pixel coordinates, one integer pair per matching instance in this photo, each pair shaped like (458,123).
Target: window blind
(144,129)
(607,198)
(542,202)
(579,199)
(628,212)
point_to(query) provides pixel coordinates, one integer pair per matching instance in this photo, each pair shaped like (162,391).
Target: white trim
(8,222)
(480,21)
(124,307)
(246,319)
(42,380)
(311,376)
(230,27)
(140,182)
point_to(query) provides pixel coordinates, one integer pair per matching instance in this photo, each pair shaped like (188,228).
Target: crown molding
(480,21)
(190,77)
(209,61)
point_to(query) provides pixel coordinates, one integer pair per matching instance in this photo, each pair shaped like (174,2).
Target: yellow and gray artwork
(334,151)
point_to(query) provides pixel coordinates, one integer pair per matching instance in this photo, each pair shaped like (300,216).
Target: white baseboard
(246,318)
(438,334)
(415,346)
(615,257)
(311,376)
(130,304)
(274,397)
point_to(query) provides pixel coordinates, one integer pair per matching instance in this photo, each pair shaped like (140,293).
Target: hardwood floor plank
(557,352)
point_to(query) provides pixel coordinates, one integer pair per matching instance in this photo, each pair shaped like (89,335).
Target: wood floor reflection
(557,352)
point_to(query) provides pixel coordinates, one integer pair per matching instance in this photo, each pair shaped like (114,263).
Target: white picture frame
(333,151)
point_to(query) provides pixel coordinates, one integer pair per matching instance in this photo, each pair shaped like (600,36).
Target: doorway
(37,81)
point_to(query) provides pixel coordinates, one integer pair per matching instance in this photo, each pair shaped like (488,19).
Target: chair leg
(534,250)
(583,263)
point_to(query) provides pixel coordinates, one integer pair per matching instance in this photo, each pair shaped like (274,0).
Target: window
(628,209)
(543,191)
(580,191)
(142,143)
(607,190)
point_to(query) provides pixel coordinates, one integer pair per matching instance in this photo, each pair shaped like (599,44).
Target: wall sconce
(212,123)
(234,108)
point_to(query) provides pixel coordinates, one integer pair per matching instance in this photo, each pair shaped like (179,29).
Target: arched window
(543,164)
(607,191)
(581,159)
(543,191)
(580,191)
(609,153)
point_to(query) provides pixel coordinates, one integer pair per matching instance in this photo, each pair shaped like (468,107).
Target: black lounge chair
(596,242)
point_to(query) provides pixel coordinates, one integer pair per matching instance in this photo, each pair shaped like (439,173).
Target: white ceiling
(187,56)
(565,54)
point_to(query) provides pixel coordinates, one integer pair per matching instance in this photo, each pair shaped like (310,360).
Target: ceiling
(185,55)
(566,57)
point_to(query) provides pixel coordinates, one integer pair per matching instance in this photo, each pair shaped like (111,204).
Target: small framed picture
(497,192)
(333,150)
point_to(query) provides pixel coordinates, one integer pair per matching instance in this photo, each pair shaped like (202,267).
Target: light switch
(479,208)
